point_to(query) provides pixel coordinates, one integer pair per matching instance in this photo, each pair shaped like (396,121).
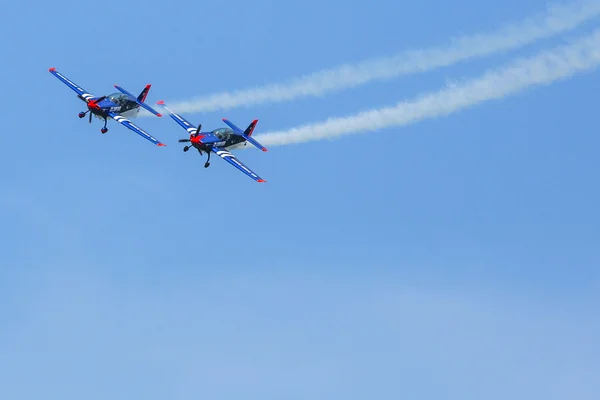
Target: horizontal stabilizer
(247,133)
(140,103)
(255,142)
(233,126)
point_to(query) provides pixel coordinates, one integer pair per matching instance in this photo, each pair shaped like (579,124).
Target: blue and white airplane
(112,106)
(218,140)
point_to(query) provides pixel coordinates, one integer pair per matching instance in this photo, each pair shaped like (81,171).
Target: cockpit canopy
(120,98)
(222,133)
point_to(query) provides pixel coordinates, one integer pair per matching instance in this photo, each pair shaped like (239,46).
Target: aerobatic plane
(113,106)
(218,140)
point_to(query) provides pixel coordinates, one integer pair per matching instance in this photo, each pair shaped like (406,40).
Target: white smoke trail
(557,18)
(544,68)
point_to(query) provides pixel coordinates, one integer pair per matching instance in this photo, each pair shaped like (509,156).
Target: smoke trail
(556,19)
(544,68)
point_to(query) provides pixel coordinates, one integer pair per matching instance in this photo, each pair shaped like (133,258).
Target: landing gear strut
(82,114)
(207,161)
(104,128)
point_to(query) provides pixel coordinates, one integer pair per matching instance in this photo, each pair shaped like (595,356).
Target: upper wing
(179,119)
(83,94)
(124,121)
(235,128)
(141,103)
(231,159)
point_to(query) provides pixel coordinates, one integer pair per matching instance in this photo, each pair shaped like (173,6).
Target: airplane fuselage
(103,107)
(208,140)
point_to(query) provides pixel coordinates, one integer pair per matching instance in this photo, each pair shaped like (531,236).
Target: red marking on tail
(142,97)
(250,128)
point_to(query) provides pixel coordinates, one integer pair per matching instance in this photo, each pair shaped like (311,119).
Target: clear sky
(455,258)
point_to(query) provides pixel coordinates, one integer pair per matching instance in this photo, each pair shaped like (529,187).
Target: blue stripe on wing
(76,88)
(124,121)
(231,159)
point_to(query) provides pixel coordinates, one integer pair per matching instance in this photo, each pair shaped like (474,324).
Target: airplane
(218,140)
(113,106)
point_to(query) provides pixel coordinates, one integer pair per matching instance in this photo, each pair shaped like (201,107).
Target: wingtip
(159,115)
(161,144)
(160,102)
(261,180)
(264,149)
(52,69)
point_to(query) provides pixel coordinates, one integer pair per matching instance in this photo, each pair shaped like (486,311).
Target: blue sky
(454,258)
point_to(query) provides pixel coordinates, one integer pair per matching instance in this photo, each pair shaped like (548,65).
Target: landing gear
(82,114)
(206,165)
(207,161)
(186,148)
(104,128)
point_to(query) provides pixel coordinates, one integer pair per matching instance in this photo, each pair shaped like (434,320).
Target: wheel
(186,148)
(81,114)
(206,165)
(104,130)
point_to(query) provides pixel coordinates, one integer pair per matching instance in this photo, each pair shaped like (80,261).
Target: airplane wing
(179,119)
(231,159)
(82,93)
(124,121)
(141,103)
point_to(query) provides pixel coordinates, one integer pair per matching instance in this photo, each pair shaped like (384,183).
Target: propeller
(199,129)
(94,104)
(184,140)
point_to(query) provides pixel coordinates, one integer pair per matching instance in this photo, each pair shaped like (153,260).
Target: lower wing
(124,121)
(231,159)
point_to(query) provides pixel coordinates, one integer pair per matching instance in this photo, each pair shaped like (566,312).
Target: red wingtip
(116,85)
(52,69)
(159,115)
(160,102)
(261,180)
(264,149)
(161,144)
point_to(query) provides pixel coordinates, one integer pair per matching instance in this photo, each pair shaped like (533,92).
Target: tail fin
(142,97)
(248,133)
(250,128)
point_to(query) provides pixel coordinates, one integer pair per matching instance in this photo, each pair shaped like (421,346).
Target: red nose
(196,139)
(93,105)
